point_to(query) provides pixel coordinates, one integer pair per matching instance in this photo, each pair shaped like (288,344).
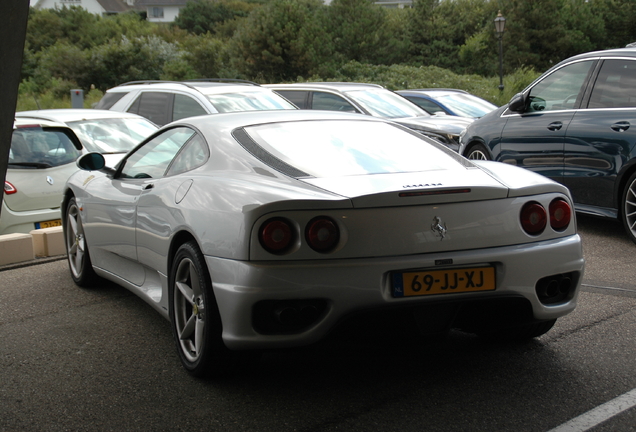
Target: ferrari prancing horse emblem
(438,227)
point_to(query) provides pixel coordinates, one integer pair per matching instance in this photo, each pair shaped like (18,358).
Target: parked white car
(44,148)
(165,101)
(110,133)
(267,229)
(41,158)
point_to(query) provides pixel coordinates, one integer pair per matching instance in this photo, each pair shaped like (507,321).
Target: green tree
(205,54)
(619,24)
(141,58)
(64,61)
(281,41)
(202,16)
(359,31)
(438,29)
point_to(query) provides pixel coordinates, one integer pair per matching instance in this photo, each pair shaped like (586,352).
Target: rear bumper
(358,285)
(24,222)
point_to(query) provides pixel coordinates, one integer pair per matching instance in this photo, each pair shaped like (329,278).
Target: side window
(193,155)
(425,104)
(560,90)
(615,86)
(297,97)
(153,158)
(154,106)
(330,102)
(185,106)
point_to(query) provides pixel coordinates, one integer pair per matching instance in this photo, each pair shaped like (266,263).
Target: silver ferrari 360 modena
(260,230)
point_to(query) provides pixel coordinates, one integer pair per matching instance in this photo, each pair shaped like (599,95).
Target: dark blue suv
(575,124)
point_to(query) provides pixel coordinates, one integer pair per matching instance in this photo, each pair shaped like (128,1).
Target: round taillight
(560,214)
(322,234)
(276,236)
(9,188)
(533,218)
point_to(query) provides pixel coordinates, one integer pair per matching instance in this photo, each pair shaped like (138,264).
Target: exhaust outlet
(554,289)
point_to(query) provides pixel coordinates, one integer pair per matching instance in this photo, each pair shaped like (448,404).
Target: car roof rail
(188,82)
(344,83)
(437,88)
(222,80)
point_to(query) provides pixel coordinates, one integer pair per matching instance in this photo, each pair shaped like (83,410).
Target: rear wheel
(79,260)
(628,207)
(196,323)
(478,152)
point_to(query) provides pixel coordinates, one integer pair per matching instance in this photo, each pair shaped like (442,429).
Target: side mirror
(517,103)
(91,162)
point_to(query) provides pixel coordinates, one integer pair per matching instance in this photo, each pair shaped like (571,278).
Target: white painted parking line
(599,414)
(608,288)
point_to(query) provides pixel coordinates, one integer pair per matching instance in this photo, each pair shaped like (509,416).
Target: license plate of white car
(48,224)
(448,281)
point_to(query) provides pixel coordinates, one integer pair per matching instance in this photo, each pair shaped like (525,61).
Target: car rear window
(248,101)
(35,147)
(346,147)
(109,100)
(386,104)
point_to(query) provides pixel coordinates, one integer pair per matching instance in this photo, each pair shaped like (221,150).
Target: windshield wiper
(38,165)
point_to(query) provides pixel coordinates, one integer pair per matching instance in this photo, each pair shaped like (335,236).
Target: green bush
(57,96)
(399,77)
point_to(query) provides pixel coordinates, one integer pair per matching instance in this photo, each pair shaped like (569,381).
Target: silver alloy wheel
(477,154)
(75,242)
(189,310)
(629,204)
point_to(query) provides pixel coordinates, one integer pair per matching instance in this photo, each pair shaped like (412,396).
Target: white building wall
(169,13)
(90,5)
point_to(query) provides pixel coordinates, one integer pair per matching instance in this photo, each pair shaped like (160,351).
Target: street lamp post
(500,23)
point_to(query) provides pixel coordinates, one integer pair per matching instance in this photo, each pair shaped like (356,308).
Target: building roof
(114,6)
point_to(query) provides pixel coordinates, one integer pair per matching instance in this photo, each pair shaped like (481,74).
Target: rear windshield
(36,147)
(345,148)
(112,135)
(248,101)
(466,105)
(109,100)
(386,104)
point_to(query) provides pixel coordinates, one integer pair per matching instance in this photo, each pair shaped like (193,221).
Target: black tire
(194,314)
(518,332)
(478,152)
(79,259)
(628,207)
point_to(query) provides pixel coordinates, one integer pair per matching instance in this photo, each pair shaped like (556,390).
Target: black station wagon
(575,124)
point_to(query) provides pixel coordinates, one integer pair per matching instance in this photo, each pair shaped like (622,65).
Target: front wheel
(79,260)
(478,152)
(628,207)
(194,315)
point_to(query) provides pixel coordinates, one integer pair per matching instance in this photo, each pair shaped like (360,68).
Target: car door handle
(555,126)
(148,186)
(620,126)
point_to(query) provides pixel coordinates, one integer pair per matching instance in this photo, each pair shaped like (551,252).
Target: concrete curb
(18,248)
(32,262)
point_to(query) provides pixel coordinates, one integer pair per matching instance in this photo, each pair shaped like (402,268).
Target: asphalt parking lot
(102,360)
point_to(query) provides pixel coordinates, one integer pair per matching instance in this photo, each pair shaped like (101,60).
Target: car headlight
(461,136)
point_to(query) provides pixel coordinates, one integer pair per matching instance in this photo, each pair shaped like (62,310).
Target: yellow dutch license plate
(447,281)
(48,224)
